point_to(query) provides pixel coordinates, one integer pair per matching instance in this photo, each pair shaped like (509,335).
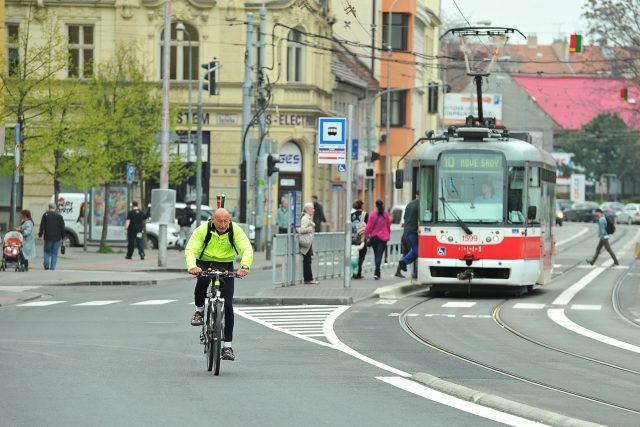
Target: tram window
(515,198)
(534,194)
(426,193)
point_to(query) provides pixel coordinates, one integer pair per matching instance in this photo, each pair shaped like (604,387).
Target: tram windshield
(470,187)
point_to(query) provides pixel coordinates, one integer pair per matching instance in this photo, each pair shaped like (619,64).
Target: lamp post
(180,28)
(164,150)
(387,160)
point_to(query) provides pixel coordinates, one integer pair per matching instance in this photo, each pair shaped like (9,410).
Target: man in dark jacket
(134,225)
(52,229)
(410,235)
(318,213)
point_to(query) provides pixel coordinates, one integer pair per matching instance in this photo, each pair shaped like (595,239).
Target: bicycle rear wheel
(217,336)
(209,341)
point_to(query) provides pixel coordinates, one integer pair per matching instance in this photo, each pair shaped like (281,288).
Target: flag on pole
(624,94)
(575,43)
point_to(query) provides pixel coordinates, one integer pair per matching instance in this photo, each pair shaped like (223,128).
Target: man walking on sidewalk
(603,239)
(52,229)
(410,235)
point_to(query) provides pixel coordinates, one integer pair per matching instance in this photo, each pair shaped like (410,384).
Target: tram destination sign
(466,161)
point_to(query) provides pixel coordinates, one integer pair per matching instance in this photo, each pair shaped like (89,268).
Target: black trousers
(137,241)
(379,248)
(362,254)
(307,274)
(226,290)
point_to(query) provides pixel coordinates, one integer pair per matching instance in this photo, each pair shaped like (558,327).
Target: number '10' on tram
(486,209)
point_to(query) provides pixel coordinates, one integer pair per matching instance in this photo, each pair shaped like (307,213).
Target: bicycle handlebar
(216,273)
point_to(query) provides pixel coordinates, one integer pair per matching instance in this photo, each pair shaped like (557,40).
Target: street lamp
(181,29)
(387,161)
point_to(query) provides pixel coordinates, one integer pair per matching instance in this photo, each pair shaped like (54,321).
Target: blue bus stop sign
(131,173)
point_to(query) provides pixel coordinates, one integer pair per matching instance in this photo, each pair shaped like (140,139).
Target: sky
(549,19)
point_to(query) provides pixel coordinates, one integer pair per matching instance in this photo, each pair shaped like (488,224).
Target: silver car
(630,214)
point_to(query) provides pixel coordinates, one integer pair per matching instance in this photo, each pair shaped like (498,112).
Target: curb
(107,283)
(399,290)
(293,300)
(500,403)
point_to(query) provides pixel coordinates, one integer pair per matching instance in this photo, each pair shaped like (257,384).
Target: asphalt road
(127,356)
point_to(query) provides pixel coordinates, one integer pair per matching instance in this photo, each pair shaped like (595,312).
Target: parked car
(559,214)
(581,211)
(612,208)
(630,214)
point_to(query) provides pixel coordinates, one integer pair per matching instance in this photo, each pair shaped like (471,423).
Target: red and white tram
(486,209)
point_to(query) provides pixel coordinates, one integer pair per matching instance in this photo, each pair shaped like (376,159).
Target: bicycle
(213,327)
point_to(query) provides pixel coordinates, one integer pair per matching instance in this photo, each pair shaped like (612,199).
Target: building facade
(297,72)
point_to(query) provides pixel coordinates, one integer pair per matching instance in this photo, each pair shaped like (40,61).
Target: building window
(399,31)
(398,109)
(294,56)
(81,49)
(13,48)
(184,46)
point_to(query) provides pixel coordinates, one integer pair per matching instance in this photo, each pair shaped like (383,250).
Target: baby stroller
(12,250)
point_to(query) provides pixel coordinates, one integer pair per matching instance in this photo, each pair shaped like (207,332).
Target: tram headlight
(496,238)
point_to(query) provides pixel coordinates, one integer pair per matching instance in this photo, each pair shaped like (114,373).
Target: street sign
(332,141)
(354,149)
(131,173)
(342,167)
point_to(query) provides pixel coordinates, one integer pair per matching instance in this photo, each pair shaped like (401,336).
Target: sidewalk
(80,268)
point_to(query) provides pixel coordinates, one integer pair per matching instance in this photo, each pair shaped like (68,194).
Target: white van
(69,205)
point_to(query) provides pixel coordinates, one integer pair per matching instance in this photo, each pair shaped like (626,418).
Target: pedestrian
(284,216)
(378,229)
(29,238)
(359,222)
(215,244)
(305,241)
(318,213)
(52,230)
(410,235)
(185,221)
(603,241)
(133,226)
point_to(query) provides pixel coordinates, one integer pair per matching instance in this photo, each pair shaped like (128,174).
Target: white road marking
(529,306)
(40,303)
(386,301)
(155,302)
(585,307)
(575,236)
(454,402)
(394,314)
(18,288)
(568,294)
(94,303)
(558,316)
(459,304)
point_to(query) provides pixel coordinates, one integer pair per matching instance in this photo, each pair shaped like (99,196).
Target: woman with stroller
(29,238)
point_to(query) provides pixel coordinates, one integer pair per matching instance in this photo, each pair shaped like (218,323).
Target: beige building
(297,68)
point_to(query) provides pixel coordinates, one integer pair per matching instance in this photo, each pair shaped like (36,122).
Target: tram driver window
(426,193)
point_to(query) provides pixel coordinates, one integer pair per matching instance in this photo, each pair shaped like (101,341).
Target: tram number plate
(469,237)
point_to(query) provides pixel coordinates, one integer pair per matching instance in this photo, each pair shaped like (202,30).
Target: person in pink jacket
(379,229)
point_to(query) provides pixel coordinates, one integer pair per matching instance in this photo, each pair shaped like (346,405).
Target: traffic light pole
(262,105)
(245,174)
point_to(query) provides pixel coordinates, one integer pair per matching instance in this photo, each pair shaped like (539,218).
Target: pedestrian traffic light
(271,165)
(210,82)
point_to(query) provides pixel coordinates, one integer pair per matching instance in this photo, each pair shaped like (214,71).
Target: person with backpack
(215,244)
(359,222)
(606,227)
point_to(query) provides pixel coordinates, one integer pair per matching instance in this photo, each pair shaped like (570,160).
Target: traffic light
(210,82)
(271,165)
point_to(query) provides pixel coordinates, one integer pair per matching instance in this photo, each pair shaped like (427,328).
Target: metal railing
(328,257)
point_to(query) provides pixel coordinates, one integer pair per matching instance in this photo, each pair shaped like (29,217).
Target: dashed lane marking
(459,304)
(96,303)
(155,302)
(585,307)
(40,303)
(529,306)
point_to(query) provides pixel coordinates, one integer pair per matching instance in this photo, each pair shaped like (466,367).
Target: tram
(486,209)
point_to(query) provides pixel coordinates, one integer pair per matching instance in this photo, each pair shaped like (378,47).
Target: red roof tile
(572,102)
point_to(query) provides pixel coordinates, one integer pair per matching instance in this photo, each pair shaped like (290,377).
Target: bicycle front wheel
(217,336)
(209,341)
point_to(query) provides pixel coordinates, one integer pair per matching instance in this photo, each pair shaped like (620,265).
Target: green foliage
(604,145)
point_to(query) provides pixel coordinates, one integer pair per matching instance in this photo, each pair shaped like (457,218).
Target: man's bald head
(221,219)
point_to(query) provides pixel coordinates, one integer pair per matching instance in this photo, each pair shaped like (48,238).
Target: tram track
(424,340)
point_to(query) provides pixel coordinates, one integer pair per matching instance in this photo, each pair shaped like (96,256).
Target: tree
(604,145)
(121,120)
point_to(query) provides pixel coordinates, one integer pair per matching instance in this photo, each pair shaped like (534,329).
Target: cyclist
(226,240)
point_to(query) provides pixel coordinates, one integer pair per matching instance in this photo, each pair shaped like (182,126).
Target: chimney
(560,49)
(532,41)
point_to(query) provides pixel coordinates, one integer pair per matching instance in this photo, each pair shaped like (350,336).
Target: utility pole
(262,143)
(349,173)
(164,149)
(387,143)
(245,170)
